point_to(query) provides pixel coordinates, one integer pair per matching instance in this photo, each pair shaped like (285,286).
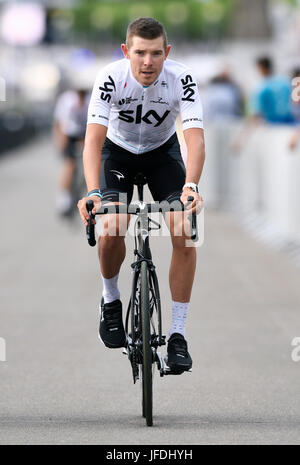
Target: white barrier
(2,350)
(2,89)
(263,179)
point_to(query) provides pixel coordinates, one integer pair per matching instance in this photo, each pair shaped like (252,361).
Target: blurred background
(252,168)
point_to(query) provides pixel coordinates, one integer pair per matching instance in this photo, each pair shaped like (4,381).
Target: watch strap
(192,186)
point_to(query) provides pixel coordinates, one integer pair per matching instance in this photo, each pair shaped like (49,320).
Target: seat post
(140,180)
(140,192)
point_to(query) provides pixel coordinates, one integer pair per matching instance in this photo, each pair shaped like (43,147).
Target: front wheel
(147,350)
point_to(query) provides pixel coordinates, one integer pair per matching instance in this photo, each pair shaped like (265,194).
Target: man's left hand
(197,204)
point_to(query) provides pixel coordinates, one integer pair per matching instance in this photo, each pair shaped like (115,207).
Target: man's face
(146,57)
(262,70)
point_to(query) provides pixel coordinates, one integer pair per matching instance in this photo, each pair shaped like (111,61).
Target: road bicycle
(143,324)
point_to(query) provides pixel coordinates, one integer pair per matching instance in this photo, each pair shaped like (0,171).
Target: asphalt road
(59,385)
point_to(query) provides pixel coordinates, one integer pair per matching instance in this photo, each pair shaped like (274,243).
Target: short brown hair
(147,28)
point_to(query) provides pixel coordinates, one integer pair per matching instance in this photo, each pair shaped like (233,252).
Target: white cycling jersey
(139,118)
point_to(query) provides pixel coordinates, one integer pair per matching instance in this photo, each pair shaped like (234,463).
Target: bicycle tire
(147,351)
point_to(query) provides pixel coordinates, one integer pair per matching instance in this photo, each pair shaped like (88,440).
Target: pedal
(163,340)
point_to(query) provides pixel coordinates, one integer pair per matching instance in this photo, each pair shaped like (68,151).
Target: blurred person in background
(223,107)
(70,117)
(222,99)
(294,140)
(270,102)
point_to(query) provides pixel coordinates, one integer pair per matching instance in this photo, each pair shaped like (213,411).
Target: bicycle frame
(144,255)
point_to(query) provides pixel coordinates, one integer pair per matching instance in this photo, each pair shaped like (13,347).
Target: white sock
(63,201)
(179,313)
(110,289)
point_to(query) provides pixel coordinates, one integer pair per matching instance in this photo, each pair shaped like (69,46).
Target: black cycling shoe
(178,359)
(111,330)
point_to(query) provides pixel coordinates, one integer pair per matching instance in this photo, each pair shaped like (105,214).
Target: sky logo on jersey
(187,84)
(150,117)
(108,87)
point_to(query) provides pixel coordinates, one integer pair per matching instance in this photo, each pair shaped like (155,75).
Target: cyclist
(131,128)
(70,117)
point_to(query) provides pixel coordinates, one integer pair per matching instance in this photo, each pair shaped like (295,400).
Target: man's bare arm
(194,138)
(93,144)
(294,140)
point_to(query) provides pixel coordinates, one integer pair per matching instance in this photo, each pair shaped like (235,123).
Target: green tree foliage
(189,19)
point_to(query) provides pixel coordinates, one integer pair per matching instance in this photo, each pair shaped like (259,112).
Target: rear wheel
(147,350)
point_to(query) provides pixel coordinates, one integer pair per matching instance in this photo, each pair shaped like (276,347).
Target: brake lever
(193,219)
(90,229)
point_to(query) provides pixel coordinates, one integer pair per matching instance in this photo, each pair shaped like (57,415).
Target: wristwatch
(192,186)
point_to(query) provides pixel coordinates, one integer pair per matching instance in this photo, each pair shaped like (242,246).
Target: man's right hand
(82,208)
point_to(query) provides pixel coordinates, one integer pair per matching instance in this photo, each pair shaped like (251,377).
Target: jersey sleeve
(59,110)
(190,105)
(102,97)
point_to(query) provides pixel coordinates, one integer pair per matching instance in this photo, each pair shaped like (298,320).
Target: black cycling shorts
(163,168)
(71,149)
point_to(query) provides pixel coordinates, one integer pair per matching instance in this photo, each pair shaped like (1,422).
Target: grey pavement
(60,385)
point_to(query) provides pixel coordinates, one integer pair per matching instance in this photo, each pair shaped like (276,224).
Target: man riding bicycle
(131,129)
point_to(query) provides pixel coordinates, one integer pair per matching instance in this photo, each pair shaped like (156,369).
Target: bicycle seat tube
(143,221)
(143,233)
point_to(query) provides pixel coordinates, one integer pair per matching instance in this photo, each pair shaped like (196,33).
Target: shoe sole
(177,368)
(111,346)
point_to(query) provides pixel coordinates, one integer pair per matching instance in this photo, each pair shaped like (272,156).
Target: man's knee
(110,242)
